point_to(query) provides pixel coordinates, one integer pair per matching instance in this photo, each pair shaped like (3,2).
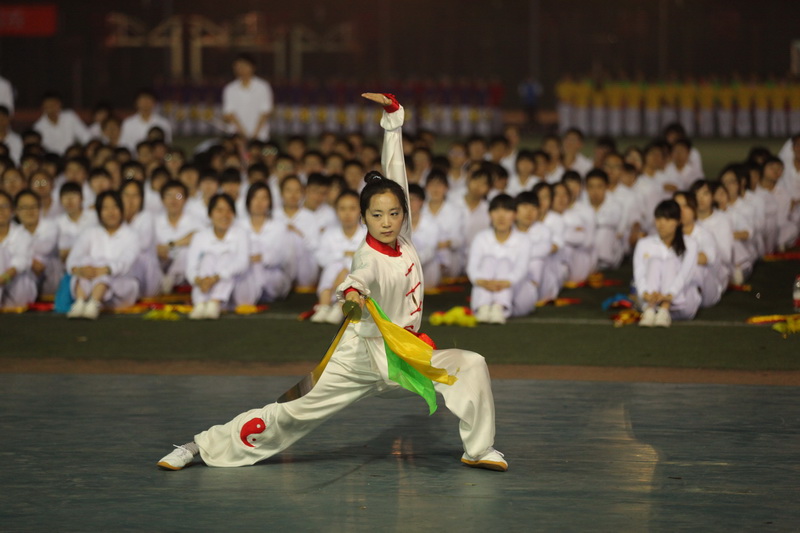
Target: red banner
(28,20)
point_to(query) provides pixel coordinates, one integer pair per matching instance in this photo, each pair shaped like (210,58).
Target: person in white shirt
(41,183)
(146,269)
(75,220)
(338,245)
(217,257)
(719,225)
(6,94)
(59,128)
(556,268)
(174,232)
(12,181)
(316,192)
(541,247)
(17,283)
(449,219)
(705,276)
(573,159)
(269,274)
(680,168)
(425,237)
(7,136)
(458,171)
(136,127)
(608,217)
(728,198)
(46,266)
(100,114)
(474,207)
(101,260)
(663,270)
(580,229)
(247,102)
(498,264)
(785,231)
(524,174)
(305,231)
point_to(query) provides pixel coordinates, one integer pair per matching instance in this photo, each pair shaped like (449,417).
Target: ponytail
(678,244)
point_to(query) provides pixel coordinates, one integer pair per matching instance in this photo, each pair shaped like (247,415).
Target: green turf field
(581,334)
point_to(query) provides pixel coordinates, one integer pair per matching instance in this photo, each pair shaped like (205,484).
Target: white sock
(192,447)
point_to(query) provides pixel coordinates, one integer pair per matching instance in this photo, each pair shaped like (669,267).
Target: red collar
(385,249)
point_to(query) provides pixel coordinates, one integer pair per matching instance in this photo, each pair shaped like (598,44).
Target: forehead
(384,201)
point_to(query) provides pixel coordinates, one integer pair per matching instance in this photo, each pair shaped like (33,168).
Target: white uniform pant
(355,371)
(615,122)
(608,248)
(668,115)
(432,272)
(659,277)
(633,121)
(744,123)
(222,289)
(51,277)
(306,269)
(564,117)
(147,271)
(553,276)
(122,291)
(777,123)
(762,122)
(327,280)
(451,262)
(599,121)
(526,294)
(794,120)
(18,292)
(175,266)
(492,268)
(744,256)
(687,120)
(580,263)
(787,234)
(725,123)
(260,285)
(651,122)
(710,288)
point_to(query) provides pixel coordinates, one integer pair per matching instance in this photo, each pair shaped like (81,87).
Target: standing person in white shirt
(17,284)
(174,229)
(6,94)
(270,270)
(338,245)
(101,260)
(7,136)
(136,127)
(217,257)
(498,264)
(663,270)
(60,128)
(247,102)
(46,266)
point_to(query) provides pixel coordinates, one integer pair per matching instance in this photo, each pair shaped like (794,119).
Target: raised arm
(392,158)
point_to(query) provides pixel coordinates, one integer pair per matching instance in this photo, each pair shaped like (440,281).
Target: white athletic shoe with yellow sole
(177,459)
(490,460)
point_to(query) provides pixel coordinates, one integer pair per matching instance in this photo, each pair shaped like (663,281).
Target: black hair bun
(373,176)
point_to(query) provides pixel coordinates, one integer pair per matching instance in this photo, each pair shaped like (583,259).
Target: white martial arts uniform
(16,251)
(528,293)
(58,136)
(147,268)
(473,222)
(45,250)
(719,225)
(14,144)
(657,268)
(270,278)
(98,248)
(426,241)
(227,258)
(786,230)
(515,186)
(744,251)
(706,276)
(582,164)
(505,261)
(450,221)
(631,212)
(358,367)
(556,267)
(248,104)
(135,128)
(304,244)
(175,266)
(579,237)
(684,177)
(7,95)
(610,228)
(332,255)
(69,230)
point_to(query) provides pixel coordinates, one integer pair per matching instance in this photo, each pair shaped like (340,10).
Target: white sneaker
(737,278)
(335,315)
(320,315)
(198,311)
(483,314)
(648,318)
(662,318)
(212,310)
(177,459)
(497,315)
(76,311)
(91,310)
(490,460)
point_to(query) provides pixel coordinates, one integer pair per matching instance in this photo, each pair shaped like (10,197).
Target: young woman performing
(386,268)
